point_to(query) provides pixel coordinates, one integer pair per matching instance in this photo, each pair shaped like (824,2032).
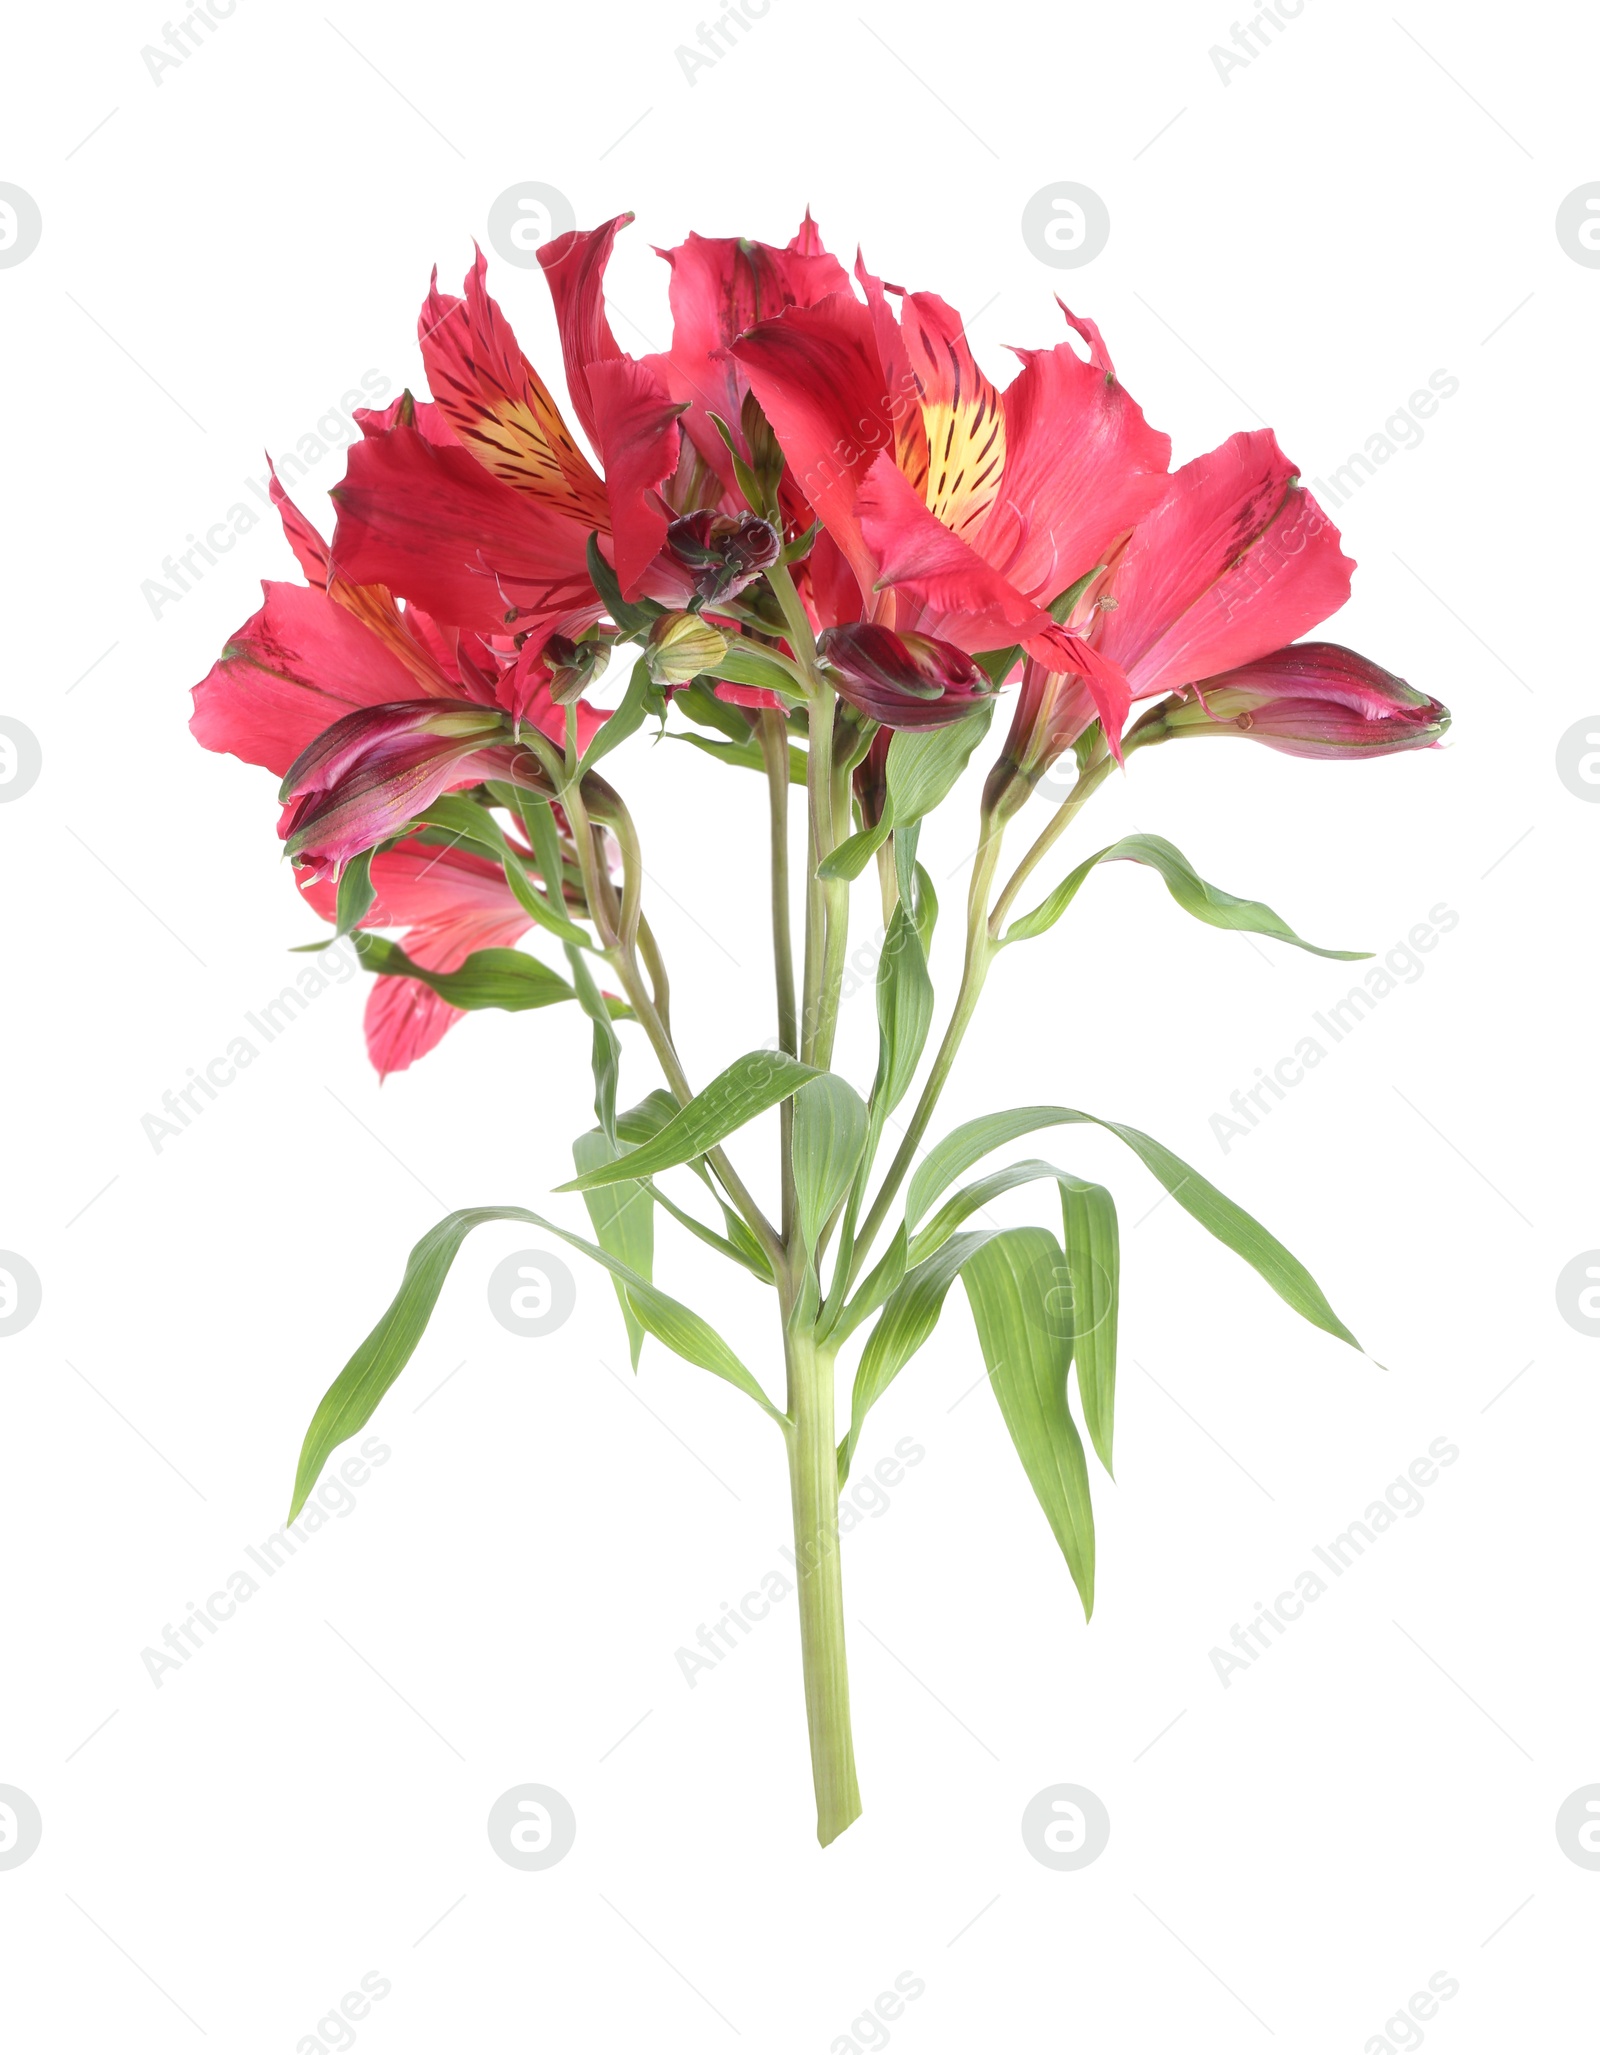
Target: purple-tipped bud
(372,772)
(326,760)
(722,552)
(1312,699)
(904,681)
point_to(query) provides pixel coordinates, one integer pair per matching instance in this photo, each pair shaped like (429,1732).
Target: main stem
(814,1494)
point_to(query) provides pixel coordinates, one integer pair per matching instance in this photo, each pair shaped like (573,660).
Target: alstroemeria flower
(721,286)
(1216,580)
(1317,699)
(368,710)
(962,511)
(903,681)
(316,652)
(1235,561)
(481,509)
(449,904)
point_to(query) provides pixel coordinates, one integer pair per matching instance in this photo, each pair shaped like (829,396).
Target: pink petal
(1236,560)
(429,523)
(1082,466)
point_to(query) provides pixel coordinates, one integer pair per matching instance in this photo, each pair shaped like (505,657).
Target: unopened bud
(723,552)
(1312,699)
(681,646)
(574,666)
(904,681)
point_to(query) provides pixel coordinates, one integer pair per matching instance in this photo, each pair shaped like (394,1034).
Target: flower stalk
(821,527)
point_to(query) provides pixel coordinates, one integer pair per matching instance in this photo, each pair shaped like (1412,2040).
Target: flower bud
(766,458)
(356,735)
(722,552)
(904,681)
(574,666)
(1313,699)
(681,646)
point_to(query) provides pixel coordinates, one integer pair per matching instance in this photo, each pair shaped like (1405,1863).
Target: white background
(1365,203)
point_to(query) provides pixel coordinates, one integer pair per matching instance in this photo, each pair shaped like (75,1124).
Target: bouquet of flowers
(828,552)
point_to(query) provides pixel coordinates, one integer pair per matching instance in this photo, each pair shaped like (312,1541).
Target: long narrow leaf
(1209,903)
(830,1132)
(750,1086)
(350,1401)
(1217,1213)
(623,1218)
(504,978)
(1027,1353)
(909,1316)
(1094,1267)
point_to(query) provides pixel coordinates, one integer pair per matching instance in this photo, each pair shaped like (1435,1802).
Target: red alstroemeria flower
(1235,560)
(367,709)
(962,511)
(449,903)
(722,286)
(480,509)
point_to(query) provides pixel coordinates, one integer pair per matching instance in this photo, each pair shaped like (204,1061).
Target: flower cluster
(944,540)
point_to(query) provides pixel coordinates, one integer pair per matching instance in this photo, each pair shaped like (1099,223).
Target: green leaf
(467,820)
(830,1132)
(697,702)
(973,1198)
(923,765)
(746,663)
(1209,903)
(1009,1281)
(910,1315)
(630,619)
(747,755)
(352,1398)
(1215,1212)
(1089,1218)
(505,978)
(642,1123)
(905,1011)
(606,1050)
(748,1087)
(627,719)
(624,1225)
(352,906)
(856,851)
(875,1287)
(1089,1237)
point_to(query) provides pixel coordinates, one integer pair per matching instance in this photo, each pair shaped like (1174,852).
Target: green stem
(974,969)
(814,1492)
(1090,779)
(775,754)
